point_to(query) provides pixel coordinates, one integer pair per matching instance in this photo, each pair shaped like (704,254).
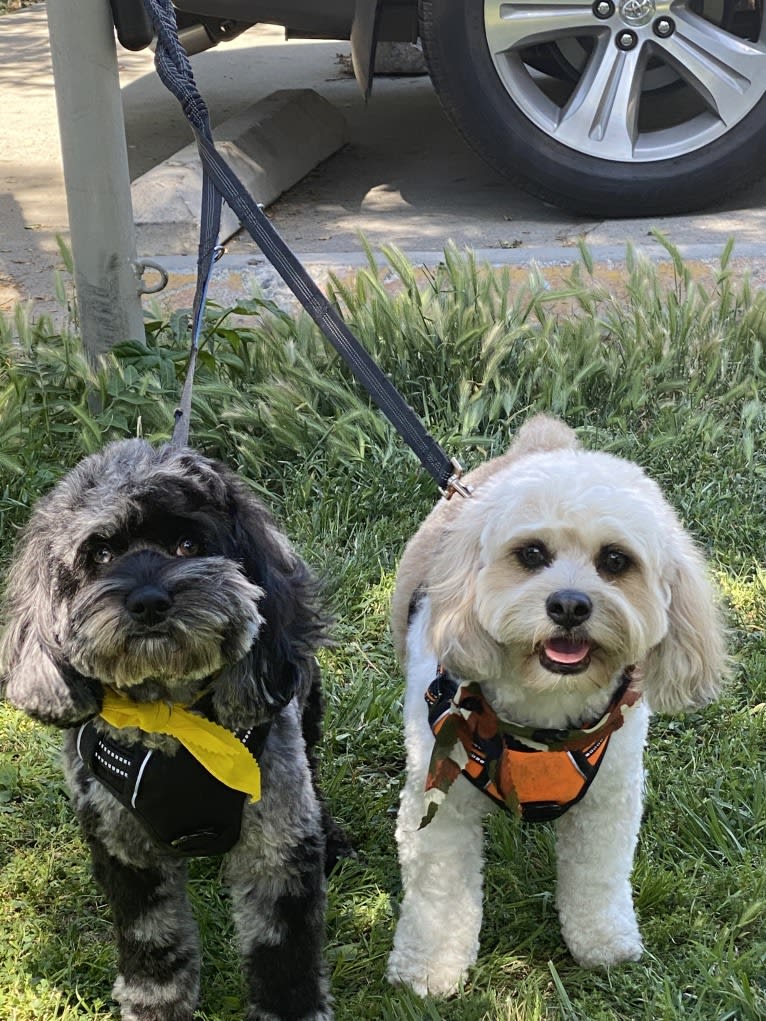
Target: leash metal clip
(454,485)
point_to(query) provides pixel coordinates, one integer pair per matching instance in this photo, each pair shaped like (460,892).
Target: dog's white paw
(426,978)
(605,947)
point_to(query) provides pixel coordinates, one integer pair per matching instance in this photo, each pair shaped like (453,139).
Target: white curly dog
(557,606)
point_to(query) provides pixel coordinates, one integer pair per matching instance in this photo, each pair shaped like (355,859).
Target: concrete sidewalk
(404,177)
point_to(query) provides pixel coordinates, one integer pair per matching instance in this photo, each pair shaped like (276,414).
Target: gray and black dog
(153,576)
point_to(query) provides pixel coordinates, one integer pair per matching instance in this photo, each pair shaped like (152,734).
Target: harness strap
(174,69)
(534,773)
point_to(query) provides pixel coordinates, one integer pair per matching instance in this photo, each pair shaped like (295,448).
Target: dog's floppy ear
(455,631)
(278,665)
(689,665)
(33,674)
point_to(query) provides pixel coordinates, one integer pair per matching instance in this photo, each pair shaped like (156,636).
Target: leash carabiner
(454,485)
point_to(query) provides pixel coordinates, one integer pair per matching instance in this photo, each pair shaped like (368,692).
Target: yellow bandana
(217,749)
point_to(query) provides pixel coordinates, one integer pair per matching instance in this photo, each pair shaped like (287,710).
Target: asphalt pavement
(404,177)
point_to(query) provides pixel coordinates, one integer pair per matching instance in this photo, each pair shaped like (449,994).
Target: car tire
(693,163)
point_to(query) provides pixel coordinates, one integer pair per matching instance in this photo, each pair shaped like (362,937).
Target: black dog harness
(179,803)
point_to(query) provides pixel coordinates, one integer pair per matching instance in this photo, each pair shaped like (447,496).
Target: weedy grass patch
(671,377)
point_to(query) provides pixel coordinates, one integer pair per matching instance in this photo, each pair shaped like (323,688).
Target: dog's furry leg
(278,916)
(596,841)
(276,875)
(157,937)
(437,935)
(159,957)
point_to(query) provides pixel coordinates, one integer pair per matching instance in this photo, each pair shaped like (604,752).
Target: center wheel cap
(637,12)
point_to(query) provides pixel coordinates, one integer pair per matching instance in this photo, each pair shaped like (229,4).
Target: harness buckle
(454,485)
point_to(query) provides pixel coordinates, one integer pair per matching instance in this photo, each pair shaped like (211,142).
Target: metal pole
(96,176)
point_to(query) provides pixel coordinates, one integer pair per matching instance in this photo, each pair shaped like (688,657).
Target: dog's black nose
(568,607)
(148,604)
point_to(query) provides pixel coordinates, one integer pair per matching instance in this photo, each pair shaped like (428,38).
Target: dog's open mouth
(564,655)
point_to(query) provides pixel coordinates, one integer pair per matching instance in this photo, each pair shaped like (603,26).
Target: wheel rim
(612,109)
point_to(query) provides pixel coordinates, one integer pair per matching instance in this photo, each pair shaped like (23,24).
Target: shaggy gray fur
(155,572)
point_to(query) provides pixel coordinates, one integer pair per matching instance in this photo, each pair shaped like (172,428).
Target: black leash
(220,182)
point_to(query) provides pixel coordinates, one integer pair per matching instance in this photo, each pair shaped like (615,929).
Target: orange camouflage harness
(534,773)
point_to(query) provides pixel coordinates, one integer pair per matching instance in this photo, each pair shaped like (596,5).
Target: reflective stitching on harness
(140,776)
(576,765)
(107,764)
(122,759)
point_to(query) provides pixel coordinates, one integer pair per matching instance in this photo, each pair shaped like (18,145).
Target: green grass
(672,377)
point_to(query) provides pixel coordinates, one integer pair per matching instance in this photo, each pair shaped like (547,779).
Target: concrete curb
(540,255)
(237,277)
(270,147)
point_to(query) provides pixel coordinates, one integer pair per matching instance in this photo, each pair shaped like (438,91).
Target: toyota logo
(637,12)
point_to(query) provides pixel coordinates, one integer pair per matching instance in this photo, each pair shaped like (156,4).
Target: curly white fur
(472,597)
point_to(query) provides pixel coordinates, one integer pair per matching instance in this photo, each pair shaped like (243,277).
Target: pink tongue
(566,650)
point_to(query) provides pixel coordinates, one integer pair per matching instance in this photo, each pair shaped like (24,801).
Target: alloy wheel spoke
(720,67)
(603,109)
(512,26)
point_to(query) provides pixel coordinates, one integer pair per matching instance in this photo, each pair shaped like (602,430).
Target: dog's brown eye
(187,548)
(102,555)
(613,561)
(534,555)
